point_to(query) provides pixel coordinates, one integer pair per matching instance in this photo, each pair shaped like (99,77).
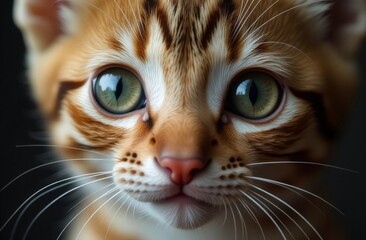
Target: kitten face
(184,96)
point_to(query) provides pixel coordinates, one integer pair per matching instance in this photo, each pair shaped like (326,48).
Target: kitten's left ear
(346,20)
(42,22)
(44,25)
(38,21)
(345,31)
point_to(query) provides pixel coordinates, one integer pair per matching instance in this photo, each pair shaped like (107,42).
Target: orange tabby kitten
(194,119)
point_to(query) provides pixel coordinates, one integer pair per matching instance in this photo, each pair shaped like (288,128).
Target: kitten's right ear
(41,22)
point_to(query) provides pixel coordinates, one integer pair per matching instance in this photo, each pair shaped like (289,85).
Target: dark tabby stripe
(317,103)
(102,136)
(225,9)
(63,89)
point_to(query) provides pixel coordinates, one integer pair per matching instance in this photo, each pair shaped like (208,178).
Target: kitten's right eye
(254,96)
(118,91)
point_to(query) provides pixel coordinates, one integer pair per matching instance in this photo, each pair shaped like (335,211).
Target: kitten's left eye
(118,91)
(254,96)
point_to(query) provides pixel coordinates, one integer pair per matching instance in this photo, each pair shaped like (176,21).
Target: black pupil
(119,88)
(253,93)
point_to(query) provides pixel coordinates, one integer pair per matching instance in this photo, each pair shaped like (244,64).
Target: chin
(184,212)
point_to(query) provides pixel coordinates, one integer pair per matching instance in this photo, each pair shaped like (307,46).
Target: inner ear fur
(39,22)
(42,23)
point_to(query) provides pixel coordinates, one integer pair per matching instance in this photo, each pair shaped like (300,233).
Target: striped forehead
(169,46)
(182,49)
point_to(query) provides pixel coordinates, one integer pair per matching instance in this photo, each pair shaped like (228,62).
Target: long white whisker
(282,211)
(282,13)
(273,214)
(61,146)
(48,164)
(290,207)
(58,198)
(89,196)
(252,215)
(134,207)
(246,15)
(30,202)
(265,212)
(115,214)
(129,205)
(80,212)
(127,20)
(234,219)
(135,17)
(240,16)
(243,224)
(277,183)
(115,189)
(301,162)
(291,46)
(104,13)
(259,17)
(225,213)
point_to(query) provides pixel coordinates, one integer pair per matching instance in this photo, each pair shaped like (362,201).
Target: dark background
(20,125)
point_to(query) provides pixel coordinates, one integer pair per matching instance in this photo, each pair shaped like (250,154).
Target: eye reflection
(118,91)
(254,95)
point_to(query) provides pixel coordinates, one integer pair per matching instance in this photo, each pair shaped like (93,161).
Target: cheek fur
(186,54)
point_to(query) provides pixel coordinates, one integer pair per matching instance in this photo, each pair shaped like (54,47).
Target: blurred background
(21,125)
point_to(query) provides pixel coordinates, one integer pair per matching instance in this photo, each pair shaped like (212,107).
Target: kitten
(195,119)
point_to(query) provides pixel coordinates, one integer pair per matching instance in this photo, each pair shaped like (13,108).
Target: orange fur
(182,41)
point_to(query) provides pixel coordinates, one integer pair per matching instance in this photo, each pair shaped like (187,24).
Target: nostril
(182,170)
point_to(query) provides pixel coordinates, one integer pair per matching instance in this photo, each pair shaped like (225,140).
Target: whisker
(290,207)
(252,215)
(265,212)
(127,20)
(81,211)
(234,219)
(115,214)
(272,213)
(83,177)
(113,190)
(134,208)
(282,13)
(291,46)
(135,17)
(282,211)
(243,224)
(129,205)
(48,164)
(240,16)
(301,162)
(104,13)
(282,184)
(61,146)
(259,17)
(225,213)
(246,16)
(89,196)
(58,198)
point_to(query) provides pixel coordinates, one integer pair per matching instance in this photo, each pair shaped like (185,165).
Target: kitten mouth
(180,198)
(183,211)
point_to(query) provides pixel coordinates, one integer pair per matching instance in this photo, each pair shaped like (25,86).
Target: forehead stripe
(62,90)
(317,103)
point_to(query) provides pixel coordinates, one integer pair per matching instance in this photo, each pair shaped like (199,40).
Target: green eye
(118,91)
(254,96)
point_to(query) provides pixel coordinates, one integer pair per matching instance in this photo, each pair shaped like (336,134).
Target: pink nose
(182,170)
